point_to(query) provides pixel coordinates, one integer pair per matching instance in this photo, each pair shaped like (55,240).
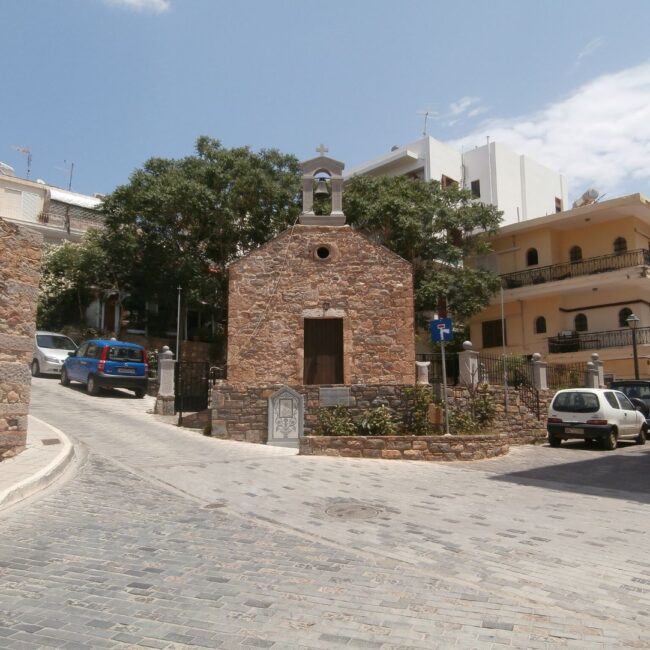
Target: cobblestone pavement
(167,539)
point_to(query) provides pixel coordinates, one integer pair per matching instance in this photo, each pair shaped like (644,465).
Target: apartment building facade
(518,185)
(570,282)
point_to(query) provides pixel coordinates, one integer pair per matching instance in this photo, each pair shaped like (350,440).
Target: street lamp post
(178,324)
(633,321)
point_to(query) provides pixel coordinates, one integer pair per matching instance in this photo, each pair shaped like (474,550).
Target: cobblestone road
(166,539)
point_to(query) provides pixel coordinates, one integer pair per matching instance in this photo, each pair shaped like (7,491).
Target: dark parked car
(102,363)
(637,391)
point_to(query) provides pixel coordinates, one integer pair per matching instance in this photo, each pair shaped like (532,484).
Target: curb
(43,477)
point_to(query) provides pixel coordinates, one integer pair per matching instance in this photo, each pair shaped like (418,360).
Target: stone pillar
(539,372)
(595,357)
(468,365)
(422,368)
(165,398)
(591,376)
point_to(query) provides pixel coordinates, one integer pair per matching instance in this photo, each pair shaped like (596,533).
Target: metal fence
(577,341)
(590,266)
(565,375)
(435,369)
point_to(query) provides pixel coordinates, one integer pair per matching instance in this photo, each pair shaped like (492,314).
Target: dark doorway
(323,351)
(109,314)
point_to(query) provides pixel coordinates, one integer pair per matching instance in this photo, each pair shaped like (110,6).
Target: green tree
(435,228)
(72,275)
(180,222)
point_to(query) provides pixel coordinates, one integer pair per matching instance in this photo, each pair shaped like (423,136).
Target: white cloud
(157,6)
(598,136)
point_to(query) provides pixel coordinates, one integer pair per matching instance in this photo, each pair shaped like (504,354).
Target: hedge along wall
(20,259)
(241,413)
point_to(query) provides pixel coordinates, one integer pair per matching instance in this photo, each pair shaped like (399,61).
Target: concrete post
(165,398)
(422,368)
(595,357)
(591,376)
(539,372)
(468,365)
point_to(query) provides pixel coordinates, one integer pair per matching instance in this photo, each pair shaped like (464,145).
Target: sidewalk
(48,454)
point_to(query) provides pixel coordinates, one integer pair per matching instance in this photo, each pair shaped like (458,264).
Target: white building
(57,214)
(518,185)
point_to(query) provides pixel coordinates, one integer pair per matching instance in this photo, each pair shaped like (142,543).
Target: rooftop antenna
(28,153)
(426,118)
(65,162)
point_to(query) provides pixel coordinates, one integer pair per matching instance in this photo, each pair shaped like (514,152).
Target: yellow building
(570,281)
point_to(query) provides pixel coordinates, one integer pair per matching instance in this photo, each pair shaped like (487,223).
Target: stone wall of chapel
(20,256)
(273,290)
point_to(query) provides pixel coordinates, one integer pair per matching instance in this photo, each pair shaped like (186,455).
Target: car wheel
(140,392)
(36,369)
(91,386)
(65,380)
(640,439)
(609,441)
(554,441)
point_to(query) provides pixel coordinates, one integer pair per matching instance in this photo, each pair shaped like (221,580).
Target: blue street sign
(441,330)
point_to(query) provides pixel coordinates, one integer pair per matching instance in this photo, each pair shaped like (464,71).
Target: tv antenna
(28,153)
(426,114)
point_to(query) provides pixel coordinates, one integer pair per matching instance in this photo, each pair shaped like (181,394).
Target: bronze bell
(321,188)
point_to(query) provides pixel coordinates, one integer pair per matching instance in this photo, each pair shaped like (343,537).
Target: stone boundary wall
(432,448)
(20,260)
(241,412)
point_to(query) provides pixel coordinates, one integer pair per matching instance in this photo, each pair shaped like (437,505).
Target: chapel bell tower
(322,170)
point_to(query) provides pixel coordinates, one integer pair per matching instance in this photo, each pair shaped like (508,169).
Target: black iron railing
(589,266)
(435,369)
(578,341)
(565,375)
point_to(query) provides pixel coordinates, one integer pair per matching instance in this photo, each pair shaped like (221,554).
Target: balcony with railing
(590,266)
(578,341)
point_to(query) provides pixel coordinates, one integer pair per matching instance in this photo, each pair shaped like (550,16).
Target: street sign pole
(444,385)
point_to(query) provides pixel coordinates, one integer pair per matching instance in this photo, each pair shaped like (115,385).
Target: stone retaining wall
(241,413)
(407,447)
(20,256)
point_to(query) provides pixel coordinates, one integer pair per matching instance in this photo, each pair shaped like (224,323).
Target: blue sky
(107,84)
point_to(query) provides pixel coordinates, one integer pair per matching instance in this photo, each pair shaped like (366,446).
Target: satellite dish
(587,198)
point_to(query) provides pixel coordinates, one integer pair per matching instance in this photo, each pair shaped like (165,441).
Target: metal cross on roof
(322,150)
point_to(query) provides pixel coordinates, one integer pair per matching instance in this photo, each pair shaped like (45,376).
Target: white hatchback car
(50,351)
(594,414)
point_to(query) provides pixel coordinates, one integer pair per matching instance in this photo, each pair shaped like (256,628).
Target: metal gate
(192,386)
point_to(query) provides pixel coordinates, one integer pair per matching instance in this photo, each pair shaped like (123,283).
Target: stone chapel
(320,315)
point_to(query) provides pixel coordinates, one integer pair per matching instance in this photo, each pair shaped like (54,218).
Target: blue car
(101,363)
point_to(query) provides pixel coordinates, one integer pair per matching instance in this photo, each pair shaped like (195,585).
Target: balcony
(578,341)
(590,266)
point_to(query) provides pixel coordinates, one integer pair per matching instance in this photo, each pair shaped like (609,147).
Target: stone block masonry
(312,272)
(407,447)
(20,260)
(241,412)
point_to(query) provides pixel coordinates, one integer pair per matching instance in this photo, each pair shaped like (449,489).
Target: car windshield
(576,402)
(55,342)
(117,353)
(635,390)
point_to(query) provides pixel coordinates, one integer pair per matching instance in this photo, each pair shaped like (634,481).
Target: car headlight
(52,359)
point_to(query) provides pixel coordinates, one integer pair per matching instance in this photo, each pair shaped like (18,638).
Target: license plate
(573,430)
(126,371)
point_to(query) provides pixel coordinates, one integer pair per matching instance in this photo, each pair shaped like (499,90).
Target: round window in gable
(322,252)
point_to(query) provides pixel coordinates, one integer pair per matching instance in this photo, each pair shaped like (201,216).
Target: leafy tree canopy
(180,222)
(435,228)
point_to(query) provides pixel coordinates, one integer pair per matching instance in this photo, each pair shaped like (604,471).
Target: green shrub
(377,422)
(417,420)
(335,422)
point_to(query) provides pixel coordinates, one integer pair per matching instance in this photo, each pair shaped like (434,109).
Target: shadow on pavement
(604,475)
